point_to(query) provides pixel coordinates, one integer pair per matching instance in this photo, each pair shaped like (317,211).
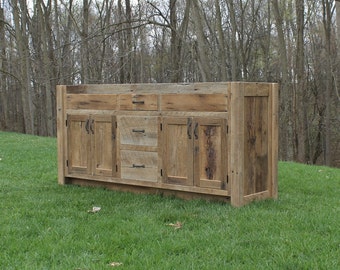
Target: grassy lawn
(47,226)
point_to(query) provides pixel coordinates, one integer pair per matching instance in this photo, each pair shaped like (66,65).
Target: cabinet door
(103,133)
(178,150)
(210,153)
(78,144)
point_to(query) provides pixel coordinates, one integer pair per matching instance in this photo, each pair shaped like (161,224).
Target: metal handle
(138,130)
(196,130)
(189,124)
(138,166)
(138,102)
(87,126)
(91,126)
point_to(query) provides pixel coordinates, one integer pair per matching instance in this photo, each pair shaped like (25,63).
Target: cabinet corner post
(61,131)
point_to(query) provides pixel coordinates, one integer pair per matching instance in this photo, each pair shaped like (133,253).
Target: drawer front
(194,102)
(133,102)
(139,165)
(138,130)
(91,101)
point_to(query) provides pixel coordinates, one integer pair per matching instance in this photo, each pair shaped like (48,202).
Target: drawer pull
(138,102)
(87,126)
(138,166)
(138,130)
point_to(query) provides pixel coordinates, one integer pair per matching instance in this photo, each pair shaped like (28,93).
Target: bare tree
(21,23)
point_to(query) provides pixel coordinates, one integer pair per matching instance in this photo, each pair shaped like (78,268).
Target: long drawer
(194,102)
(138,130)
(139,165)
(140,102)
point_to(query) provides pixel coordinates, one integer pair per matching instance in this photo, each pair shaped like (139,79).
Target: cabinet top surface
(161,88)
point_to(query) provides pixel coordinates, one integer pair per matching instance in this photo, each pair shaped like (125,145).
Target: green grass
(46,226)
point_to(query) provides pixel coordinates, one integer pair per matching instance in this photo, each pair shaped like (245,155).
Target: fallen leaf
(114,264)
(177,225)
(94,209)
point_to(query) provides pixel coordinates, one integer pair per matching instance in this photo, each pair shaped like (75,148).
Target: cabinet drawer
(139,165)
(133,102)
(91,101)
(194,102)
(138,130)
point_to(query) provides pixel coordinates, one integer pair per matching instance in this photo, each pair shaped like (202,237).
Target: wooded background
(294,42)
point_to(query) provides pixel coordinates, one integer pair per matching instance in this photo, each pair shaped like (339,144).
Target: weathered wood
(139,165)
(236,129)
(210,165)
(178,150)
(213,139)
(255,144)
(138,102)
(194,102)
(61,137)
(91,101)
(103,146)
(274,140)
(138,130)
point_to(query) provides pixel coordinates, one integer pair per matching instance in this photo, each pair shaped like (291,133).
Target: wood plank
(61,136)
(164,189)
(256,89)
(91,101)
(255,145)
(150,88)
(138,102)
(194,102)
(236,133)
(274,139)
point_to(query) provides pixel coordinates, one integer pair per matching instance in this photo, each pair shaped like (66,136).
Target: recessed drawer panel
(138,130)
(194,102)
(138,165)
(133,102)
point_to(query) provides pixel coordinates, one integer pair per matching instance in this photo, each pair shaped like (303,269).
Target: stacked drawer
(138,138)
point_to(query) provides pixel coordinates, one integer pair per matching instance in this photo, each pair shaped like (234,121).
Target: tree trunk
(128,45)
(327,23)
(3,86)
(85,74)
(221,43)
(174,43)
(21,25)
(299,108)
(233,53)
(202,46)
(286,145)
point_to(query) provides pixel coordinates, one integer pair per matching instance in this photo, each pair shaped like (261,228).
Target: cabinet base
(147,190)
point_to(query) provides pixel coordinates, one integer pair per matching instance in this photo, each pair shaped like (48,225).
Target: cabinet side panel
(255,145)
(60,96)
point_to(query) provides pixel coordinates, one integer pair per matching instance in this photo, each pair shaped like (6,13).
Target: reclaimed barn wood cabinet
(209,140)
